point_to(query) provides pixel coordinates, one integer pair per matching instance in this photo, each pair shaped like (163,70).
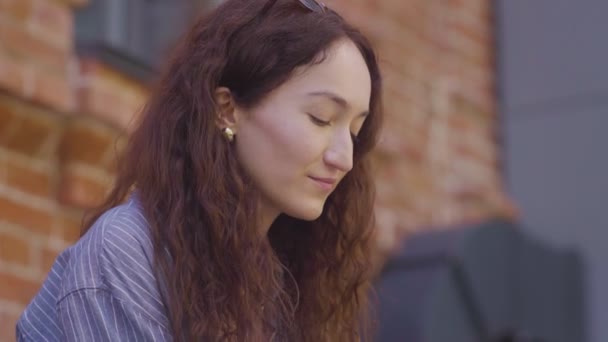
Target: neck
(266,216)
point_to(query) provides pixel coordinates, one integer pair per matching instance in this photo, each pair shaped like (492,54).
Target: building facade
(67,106)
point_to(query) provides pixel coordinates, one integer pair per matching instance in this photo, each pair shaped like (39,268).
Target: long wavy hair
(305,280)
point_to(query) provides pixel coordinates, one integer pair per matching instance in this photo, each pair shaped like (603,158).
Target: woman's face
(297,143)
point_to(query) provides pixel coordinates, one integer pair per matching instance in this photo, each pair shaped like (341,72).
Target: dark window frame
(133,36)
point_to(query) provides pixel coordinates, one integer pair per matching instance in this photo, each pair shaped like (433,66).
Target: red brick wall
(62,120)
(438,163)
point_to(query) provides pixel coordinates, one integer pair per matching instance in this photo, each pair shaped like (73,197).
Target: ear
(227,112)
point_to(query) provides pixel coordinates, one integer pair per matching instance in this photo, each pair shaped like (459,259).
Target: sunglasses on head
(313,5)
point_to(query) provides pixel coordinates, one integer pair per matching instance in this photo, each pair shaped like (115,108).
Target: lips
(325,183)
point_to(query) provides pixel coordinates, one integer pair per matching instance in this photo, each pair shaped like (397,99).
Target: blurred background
(494,110)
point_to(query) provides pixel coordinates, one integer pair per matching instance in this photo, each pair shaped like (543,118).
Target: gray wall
(553,89)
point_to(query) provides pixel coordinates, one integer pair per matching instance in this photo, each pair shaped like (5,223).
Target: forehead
(343,72)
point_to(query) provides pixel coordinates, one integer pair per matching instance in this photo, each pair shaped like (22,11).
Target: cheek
(279,155)
(291,143)
(280,152)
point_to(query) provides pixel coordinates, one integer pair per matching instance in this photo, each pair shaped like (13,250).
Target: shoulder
(117,255)
(123,236)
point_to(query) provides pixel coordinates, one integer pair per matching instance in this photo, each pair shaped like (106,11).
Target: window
(134,35)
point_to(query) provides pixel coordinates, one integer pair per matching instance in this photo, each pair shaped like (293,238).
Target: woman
(248,210)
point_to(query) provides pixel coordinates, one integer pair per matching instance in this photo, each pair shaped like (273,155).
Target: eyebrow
(340,101)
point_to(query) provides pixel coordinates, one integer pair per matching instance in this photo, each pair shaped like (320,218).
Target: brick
(86,141)
(35,220)
(82,187)
(106,77)
(478,149)
(17,289)
(48,259)
(20,41)
(101,85)
(7,116)
(36,180)
(14,250)
(69,223)
(477,96)
(18,10)
(475,138)
(53,20)
(478,77)
(34,129)
(110,162)
(470,51)
(7,325)
(475,28)
(93,101)
(415,143)
(386,223)
(391,142)
(54,90)
(12,73)
(504,207)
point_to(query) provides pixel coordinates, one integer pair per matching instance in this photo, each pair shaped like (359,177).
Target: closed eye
(323,123)
(318,121)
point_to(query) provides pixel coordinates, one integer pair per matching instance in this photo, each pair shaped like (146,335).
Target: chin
(308,213)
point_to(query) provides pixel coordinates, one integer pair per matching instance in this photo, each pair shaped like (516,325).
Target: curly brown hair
(305,280)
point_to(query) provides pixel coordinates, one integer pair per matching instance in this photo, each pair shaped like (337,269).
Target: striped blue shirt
(102,288)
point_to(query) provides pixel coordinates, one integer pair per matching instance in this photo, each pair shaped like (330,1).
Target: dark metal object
(487,283)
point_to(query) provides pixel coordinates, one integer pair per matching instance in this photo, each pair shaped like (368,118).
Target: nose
(339,154)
